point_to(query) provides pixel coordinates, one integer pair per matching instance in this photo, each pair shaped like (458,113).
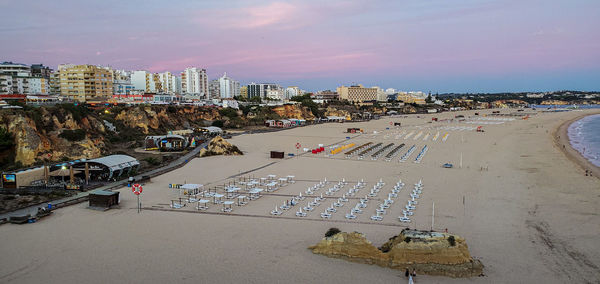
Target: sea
(584,135)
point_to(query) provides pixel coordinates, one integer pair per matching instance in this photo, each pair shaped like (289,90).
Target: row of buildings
(90,83)
(85,83)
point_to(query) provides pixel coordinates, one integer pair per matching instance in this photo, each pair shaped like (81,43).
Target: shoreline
(561,137)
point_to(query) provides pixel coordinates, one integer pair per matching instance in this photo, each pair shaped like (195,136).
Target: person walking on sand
(406,273)
(414,273)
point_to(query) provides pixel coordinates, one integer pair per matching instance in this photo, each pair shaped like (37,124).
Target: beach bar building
(210,131)
(102,169)
(170,142)
(106,168)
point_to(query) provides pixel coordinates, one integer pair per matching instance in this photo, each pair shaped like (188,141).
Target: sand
(531,217)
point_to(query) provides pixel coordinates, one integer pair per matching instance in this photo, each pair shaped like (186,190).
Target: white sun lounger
(300,213)
(276,211)
(325,215)
(331,209)
(350,216)
(404,219)
(377,217)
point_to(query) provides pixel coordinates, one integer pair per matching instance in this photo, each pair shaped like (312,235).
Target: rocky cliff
(37,135)
(46,133)
(330,111)
(428,253)
(150,119)
(294,111)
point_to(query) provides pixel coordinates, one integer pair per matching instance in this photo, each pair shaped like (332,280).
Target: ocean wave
(584,136)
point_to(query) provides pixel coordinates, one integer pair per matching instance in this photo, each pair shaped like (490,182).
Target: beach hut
(103,199)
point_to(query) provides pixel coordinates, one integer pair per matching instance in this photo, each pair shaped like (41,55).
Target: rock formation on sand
(428,252)
(218,146)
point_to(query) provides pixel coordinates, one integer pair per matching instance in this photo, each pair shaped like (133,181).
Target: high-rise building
(122,82)
(244,91)
(228,87)
(38,86)
(40,71)
(292,91)
(194,82)
(260,89)
(85,82)
(146,81)
(5,84)
(15,69)
(169,83)
(14,78)
(214,88)
(357,93)
(54,83)
(381,95)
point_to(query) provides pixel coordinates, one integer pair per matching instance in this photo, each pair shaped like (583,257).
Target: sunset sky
(438,46)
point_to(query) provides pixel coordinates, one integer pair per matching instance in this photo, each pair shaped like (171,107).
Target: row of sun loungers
(410,206)
(421,154)
(407,154)
(393,153)
(351,153)
(362,154)
(380,152)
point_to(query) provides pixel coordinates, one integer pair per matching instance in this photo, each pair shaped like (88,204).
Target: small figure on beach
(406,273)
(414,273)
(586,173)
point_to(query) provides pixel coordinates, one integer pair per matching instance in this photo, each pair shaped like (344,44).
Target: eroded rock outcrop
(37,137)
(428,252)
(294,111)
(338,112)
(219,146)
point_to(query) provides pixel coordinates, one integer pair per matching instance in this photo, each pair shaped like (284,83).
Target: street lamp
(62,173)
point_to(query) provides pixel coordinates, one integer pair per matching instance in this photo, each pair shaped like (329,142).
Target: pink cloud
(280,15)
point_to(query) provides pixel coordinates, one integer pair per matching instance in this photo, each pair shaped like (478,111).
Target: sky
(434,46)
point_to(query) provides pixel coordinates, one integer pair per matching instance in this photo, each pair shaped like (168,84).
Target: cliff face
(434,255)
(294,111)
(338,112)
(36,135)
(153,119)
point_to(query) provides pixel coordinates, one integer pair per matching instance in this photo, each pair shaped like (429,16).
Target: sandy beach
(562,138)
(525,207)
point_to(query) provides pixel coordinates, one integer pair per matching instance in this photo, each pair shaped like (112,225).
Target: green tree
(6,139)
(429,99)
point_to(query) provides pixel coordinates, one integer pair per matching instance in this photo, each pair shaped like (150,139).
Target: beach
(515,194)
(562,138)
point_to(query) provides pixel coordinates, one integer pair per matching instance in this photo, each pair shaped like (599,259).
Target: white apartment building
(138,79)
(381,95)
(122,82)
(228,88)
(194,82)
(276,93)
(292,91)
(171,84)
